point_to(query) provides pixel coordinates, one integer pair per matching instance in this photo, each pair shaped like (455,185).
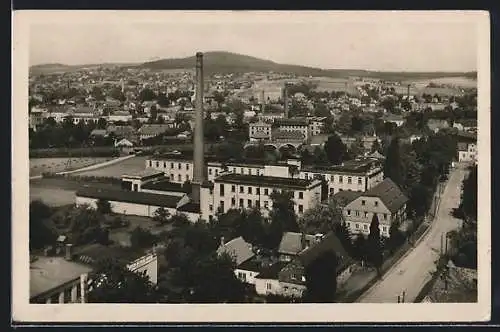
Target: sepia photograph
(251,166)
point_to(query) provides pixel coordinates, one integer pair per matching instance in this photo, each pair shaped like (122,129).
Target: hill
(227,62)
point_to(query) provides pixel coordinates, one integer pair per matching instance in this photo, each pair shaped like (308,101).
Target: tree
(396,237)
(321,218)
(103,206)
(469,194)
(40,234)
(283,218)
(161,216)
(146,95)
(142,238)
(393,168)
(335,150)
(113,282)
(321,278)
(321,110)
(375,249)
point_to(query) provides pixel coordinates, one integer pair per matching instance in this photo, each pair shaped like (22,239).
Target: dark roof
(292,122)
(346,196)
(238,249)
(351,166)
(253,264)
(191,207)
(269,181)
(163,184)
(129,196)
(291,242)
(329,243)
(95,252)
(390,194)
(272,271)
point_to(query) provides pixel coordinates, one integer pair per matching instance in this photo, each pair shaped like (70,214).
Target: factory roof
(267,181)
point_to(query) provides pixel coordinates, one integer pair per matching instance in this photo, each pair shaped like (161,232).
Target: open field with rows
(54,165)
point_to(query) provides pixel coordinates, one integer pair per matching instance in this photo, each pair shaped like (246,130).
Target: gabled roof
(345,197)
(291,243)
(390,194)
(237,248)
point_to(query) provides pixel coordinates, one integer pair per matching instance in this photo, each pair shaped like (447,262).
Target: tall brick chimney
(199,154)
(285,100)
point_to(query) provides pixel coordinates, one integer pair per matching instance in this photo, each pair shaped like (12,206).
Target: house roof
(329,243)
(345,197)
(390,194)
(153,129)
(124,142)
(136,197)
(461,146)
(291,243)
(95,252)
(237,248)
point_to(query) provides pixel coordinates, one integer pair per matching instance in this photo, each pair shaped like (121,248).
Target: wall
(177,171)
(277,171)
(261,286)
(124,207)
(249,276)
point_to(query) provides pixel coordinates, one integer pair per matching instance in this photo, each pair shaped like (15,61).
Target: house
(292,277)
(65,279)
(398,120)
(151,130)
(292,244)
(241,253)
(386,200)
(437,124)
(267,282)
(259,131)
(467,152)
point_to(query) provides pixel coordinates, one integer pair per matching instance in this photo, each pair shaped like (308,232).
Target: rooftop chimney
(69,253)
(198,158)
(285,100)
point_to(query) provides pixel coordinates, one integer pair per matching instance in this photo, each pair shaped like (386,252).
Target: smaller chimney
(69,252)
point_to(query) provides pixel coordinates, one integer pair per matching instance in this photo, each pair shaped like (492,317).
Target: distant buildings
(467,152)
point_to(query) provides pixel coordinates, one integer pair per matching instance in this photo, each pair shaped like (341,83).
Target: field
(54,165)
(132,165)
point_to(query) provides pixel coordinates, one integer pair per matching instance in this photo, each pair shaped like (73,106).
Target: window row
(364,214)
(254,191)
(171,164)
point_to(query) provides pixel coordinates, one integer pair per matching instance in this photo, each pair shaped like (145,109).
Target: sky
(385,42)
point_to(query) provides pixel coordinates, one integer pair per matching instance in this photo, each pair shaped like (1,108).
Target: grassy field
(54,165)
(132,165)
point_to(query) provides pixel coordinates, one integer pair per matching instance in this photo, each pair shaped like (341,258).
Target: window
(241,202)
(266,191)
(164,164)
(266,204)
(348,212)
(366,214)
(249,203)
(349,180)
(360,181)
(241,171)
(249,190)
(171,177)
(211,191)
(187,167)
(269,286)
(179,166)
(221,189)
(233,188)
(341,179)
(216,172)
(179,178)
(363,202)
(385,216)
(233,201)
(257,191)
(357,226)
(376,203)
(222,206)
(171,165)
(332,190)
(187,177)
(365,227)
(301,208)
(301,195)
(209,171)
(384,229)
(357,213)
(150,163)
(241,189)
(211,207)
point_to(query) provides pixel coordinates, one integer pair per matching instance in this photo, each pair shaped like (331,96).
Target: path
(412,272)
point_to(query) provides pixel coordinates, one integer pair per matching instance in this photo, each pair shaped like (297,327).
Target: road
(412,272)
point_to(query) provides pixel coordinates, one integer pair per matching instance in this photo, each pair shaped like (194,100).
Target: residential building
(386,200)
(241,253)
(467,152)
(254,191)
(292,244)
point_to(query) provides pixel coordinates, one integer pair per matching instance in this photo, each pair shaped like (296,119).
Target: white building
(254,191)
(467,152)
